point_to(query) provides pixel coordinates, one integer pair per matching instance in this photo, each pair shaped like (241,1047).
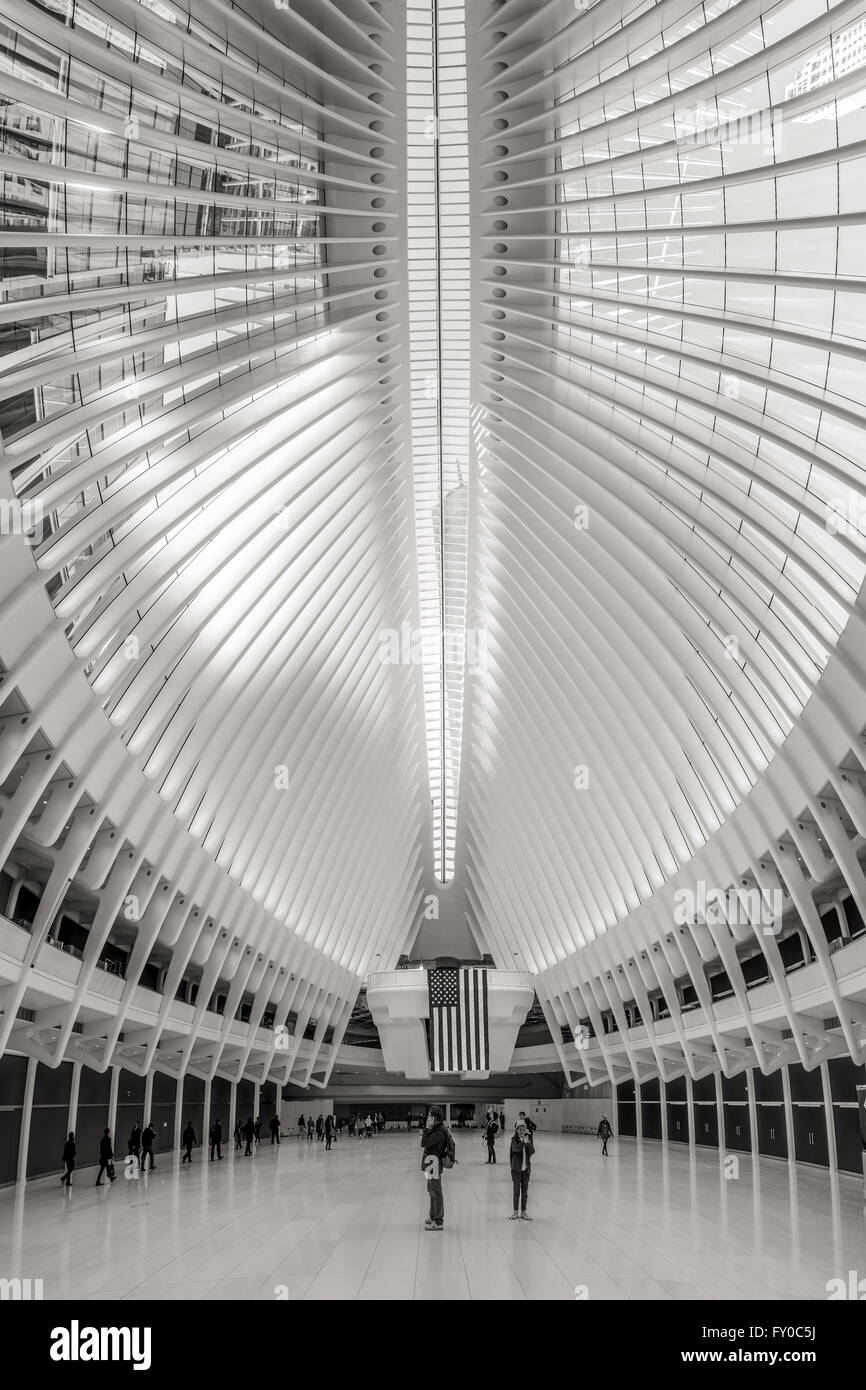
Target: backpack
(449,1158)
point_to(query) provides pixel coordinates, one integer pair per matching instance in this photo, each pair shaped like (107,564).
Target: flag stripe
(459,1034)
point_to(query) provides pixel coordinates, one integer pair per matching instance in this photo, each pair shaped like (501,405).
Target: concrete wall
(581,1116)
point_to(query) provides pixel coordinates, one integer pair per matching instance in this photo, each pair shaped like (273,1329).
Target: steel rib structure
(626,248)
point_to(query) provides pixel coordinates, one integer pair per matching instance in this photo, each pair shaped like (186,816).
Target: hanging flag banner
(458,1019)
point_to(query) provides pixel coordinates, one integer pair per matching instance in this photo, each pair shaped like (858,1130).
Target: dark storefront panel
(810,1134)
(738,1131)
(707,1125)
(626,1117)
(772,1135)
(651,1119)
(849,1142)
(678,1123)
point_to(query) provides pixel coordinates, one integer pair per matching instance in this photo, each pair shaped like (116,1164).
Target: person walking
(490,1133)
(604,1133)
(502,1121)
(216,1139)
(320,1128)
(257,1130)
(134,1145)
(148,1135)
(310,1130)
(69,1152)
(302,1127)
(381,1122)
(188,1143)
(522,1150)
(249,1135)
(329,1130)
(239,1133)
(435,1145)
(274,1127)
(106,1158)
(530,1124)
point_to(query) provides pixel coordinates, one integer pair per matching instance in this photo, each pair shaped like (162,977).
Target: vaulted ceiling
(432,462)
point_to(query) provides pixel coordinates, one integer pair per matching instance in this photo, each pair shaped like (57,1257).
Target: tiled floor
(299,1223)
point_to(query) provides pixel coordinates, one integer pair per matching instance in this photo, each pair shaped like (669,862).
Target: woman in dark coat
(522,1149)
(69,1152)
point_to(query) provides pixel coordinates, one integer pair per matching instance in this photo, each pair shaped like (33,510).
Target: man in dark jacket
(148,1135)
(249,1135)
(274,1127)
(135,1142)
(490,1136)
(522,1150)
(69,1152)
(435,1144)
(188,1143)
(216,1139)
(329,1130)
(106,1158)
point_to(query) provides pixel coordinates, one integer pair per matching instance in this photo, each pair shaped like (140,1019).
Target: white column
(690,1109)
(148,1097)
(789,1115)
(720,1113)
(178,1116)
(26,1113)
(112,1104)
(233,1115)
(663,1105)
(753,1113)
(832,1156)
(638,1112)
(206,1122)
(73,1096)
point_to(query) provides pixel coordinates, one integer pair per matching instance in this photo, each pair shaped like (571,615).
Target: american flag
(458,1020)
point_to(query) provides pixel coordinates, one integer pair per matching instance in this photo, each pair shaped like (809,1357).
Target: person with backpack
(490,1132)
(106,1158)
(216,1139)
(522,1149)
(604,1133)
(188,1143)
(437,1153)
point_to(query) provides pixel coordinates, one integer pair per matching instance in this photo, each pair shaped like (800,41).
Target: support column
(663,1105)
(233,1115)
(753,1114)
(789,1115)
(638,1113)
(206,1122)
(257,1095)
(112,1103)
(832,1156)
(690,1110)
(73,1096)
(178,1116)
(26,1114)
(720,1113)
(148,1097)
